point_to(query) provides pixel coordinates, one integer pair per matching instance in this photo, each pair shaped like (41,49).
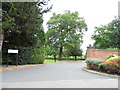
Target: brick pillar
(90,50)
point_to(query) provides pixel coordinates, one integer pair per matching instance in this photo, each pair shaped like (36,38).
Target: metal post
(17,60)
(7,60)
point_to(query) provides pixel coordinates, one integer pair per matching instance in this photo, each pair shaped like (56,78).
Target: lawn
(57,61)
(52,61)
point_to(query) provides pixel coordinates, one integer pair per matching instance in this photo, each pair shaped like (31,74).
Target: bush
(37,56)
(94,60)
(113,61)
(24,54)
(112,69)
(111,65)
(93,63)
(110,56)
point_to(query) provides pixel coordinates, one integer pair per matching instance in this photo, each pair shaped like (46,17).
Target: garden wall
(101,53)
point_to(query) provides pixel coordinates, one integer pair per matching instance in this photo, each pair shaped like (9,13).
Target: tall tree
(74,48)
(22,24)
(108,36)
(64,28)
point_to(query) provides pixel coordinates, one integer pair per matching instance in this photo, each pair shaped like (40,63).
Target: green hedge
(26,55)
(37,56)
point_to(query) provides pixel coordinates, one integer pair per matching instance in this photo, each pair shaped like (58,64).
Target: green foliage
(110,56)
(64,30)
(52,61)
(37,56)
(73,50)
(23,29)
(24,54)
(111,65)
(111,70)
(113,61)
(22,19)
(65,58)
(93,63)
(108,36)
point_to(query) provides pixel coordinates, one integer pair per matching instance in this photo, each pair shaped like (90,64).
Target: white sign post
(13,51)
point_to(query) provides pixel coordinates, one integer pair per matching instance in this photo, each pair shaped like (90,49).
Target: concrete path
(59,75)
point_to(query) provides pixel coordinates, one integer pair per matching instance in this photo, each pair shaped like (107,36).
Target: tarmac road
(58,75)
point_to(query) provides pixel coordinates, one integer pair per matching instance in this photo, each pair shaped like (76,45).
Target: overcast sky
(95,12)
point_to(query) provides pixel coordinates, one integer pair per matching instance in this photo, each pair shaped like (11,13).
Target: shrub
(110,56)
(111,69)
(111,65)
(113,61)
(93,63)
(27,55)
(37,56)
(24,54)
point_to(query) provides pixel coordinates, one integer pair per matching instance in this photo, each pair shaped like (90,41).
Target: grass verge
(57,61)
(52,61)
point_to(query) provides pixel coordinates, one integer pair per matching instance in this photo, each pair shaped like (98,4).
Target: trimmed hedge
(26,55)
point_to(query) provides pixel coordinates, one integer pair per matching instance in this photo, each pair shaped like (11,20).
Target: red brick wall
(101,53)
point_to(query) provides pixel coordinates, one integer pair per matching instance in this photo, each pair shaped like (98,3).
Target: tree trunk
(1,33)
(1,41)
(60,54)
(55,58)
(75,58)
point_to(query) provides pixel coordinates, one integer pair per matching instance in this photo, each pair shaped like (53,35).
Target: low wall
(101,53)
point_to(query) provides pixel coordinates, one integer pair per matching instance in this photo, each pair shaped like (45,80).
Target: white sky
(95,12)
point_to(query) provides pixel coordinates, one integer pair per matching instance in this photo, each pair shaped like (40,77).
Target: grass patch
(57,61)
(52,61)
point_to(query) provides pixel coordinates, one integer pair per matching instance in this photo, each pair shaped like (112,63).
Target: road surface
(58,75)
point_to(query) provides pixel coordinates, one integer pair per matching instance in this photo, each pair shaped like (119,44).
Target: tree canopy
(64,30)
(108,36)
(22,27)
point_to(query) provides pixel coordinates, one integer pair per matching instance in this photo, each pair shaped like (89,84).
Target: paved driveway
(59,75)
